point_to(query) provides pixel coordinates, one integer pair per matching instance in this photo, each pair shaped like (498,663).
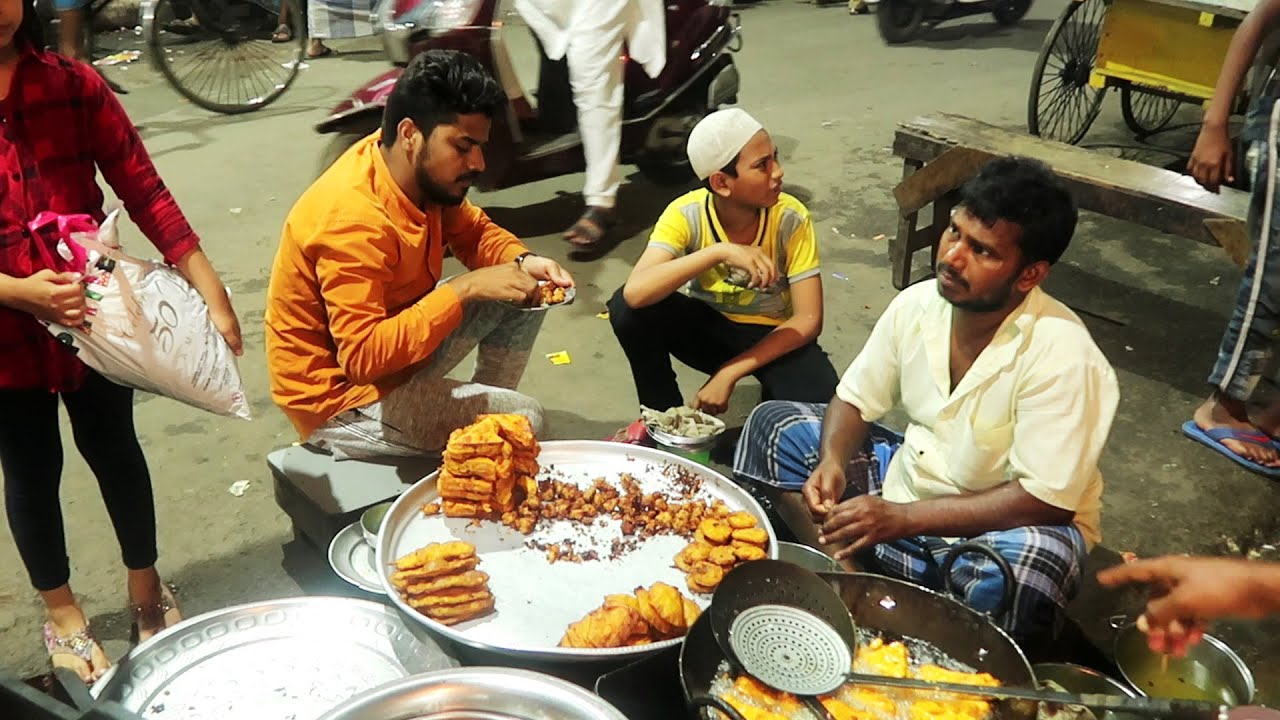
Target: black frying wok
(895,609)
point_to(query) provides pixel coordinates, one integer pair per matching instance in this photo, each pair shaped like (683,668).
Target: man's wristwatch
(522,257)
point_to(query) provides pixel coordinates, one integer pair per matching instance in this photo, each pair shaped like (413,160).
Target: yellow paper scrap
(603,315)
(559,358)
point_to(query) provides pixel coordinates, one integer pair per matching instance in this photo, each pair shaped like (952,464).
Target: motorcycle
(900,21)
(658,113)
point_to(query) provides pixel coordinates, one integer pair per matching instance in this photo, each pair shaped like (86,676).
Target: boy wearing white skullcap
(746,255)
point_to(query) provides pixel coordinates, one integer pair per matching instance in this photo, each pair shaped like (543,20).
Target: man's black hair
(31,30)
(731,170)
(1024,192)
(437,87)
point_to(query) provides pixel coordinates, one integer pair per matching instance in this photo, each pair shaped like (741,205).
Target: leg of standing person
(31,459)
(595,75)
(1255,322)
(417,417)
(101,414)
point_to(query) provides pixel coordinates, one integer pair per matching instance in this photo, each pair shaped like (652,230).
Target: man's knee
(529,407)
(624,319)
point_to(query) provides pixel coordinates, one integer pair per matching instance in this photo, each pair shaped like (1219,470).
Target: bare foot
(152,603)
(71,644)
(1219,411)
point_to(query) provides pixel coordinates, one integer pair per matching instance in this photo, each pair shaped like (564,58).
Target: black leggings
(101,415)
(699,336)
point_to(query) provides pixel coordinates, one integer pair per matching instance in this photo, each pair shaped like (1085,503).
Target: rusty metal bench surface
(1157,198)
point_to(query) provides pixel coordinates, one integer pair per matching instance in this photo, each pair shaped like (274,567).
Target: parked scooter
(658,114)
(901,21)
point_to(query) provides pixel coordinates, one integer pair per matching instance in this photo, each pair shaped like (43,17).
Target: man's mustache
(469,177)
(952,275)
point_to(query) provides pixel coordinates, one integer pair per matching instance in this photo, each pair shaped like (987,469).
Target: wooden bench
(941,151)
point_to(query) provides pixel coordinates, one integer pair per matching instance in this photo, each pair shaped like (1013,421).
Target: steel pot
(476,693)
(806,557)
(897,609)
(1210,671)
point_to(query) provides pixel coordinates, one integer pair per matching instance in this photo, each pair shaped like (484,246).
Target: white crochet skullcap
(718,138)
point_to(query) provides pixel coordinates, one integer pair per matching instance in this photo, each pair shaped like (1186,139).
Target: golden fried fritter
(621,600)
(468,579)
(602,628)
(481,468)
(741,520)
(464,488)
(479,439)
(650,614)
(431,508)
(522,464)
(691,612)
(461,596)
(453,550)
(668,603)
(716,531)
(513,427)
(705,577)
(454,614)
(422,573)
(747,553)
(754,536)
(467,509)
(724,556)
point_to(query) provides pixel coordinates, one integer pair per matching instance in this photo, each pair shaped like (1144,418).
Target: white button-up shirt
(1035,407)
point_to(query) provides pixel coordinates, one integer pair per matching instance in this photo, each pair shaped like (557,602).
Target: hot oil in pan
(919,652)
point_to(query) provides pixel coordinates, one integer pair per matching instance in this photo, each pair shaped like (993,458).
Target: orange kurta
(355,300)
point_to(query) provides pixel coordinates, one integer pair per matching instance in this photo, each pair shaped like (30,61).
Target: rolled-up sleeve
(871,382)
(1064,418)
(476,240)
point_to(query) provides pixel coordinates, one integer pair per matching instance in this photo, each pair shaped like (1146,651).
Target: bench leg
(901,246)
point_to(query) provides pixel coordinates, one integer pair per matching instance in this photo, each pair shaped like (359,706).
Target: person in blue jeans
(1222,421)
(1009,401)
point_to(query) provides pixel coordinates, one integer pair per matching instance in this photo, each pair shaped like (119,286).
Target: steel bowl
(682,443)
(1210,671)
(1081,680)
(476,693)
(371,522)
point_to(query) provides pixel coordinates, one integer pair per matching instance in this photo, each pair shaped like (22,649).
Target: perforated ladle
(787,627)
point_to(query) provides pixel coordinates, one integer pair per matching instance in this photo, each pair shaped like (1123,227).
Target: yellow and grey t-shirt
(786,235)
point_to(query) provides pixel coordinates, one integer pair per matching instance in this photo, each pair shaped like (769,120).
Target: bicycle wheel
(1145,113)
(1062,105)
(219,54)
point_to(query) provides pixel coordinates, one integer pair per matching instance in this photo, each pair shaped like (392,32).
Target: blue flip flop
(1212,439)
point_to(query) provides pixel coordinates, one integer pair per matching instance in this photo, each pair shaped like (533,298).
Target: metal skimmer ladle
(787,627)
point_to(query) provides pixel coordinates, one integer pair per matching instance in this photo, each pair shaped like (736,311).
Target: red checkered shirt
(59,125)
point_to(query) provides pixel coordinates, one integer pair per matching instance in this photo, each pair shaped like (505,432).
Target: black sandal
(283,34)
(593,225)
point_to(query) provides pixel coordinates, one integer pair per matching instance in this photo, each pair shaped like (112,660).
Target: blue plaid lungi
(780,447)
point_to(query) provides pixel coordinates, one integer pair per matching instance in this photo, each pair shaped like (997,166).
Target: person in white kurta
(1009,403)
(591,34)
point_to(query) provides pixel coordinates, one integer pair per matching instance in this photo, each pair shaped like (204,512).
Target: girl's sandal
(80,644)
(155,614)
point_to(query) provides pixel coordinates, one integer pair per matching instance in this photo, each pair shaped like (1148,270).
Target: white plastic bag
(146,327)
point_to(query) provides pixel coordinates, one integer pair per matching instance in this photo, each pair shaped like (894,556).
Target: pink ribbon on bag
(67,226)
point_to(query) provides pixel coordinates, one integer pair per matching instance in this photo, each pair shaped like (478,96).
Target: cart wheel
(899,21)
(1145,113)
(1010,12)
(1062,105)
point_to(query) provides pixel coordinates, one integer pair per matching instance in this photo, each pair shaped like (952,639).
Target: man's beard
(436,194)
(998,299)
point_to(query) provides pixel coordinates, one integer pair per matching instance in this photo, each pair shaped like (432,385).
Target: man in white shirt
(1009,401)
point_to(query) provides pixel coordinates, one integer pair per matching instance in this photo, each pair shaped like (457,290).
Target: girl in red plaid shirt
(59,126)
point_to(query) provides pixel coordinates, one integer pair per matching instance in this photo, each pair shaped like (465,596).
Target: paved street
(831,93)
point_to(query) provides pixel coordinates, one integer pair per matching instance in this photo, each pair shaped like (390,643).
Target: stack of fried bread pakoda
(718,546)
(660,612)
(489,466)
(441,581)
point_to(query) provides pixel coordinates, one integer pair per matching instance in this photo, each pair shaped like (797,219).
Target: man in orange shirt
(360,331)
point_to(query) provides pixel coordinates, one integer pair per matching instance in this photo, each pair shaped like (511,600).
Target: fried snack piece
(841,711)
(662,606)
(431,508)
(467,509)
(464,488)
(723,556)
(880,658)
(694,552)
(752,536)
(513,427)
(650,614)
(479,439)
(691,612)
(602,628)
(523,464)
(551,293)
(747,553)
(741,520)
(453,550)
(467,579)
(460,596)
(705,576)
(750,712)
(481,468)
(454,614)
(716,531)
(404,578)
(620,600)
